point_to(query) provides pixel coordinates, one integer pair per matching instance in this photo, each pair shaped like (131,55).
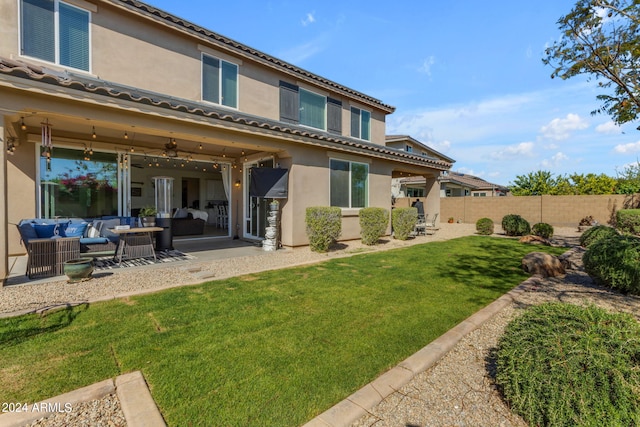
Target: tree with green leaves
(533,184)
(543,182)
(629,179)
(601,39)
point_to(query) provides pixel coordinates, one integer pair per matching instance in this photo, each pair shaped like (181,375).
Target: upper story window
(301,106)
(219,81)
(360,124)
(313,109)
(54,31)
(408,149)
(349,184)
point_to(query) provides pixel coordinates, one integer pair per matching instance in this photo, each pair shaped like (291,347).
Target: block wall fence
(561,211)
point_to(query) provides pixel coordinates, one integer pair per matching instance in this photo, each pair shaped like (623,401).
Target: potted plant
(78,270)
(451,220)
(148,216)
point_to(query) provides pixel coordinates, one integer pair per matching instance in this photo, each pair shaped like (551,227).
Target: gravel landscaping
(457,391)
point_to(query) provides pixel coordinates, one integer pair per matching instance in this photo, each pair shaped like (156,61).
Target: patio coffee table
(135,242)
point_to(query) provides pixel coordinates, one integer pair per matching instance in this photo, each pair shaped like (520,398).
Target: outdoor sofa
(51,242)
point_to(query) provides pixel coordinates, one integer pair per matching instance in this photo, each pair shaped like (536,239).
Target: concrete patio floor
(204,250)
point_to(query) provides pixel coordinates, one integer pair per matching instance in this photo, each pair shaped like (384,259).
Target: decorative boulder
(535,240)
(542,264)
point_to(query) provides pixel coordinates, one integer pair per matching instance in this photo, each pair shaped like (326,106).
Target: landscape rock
(535,240)
(542,264)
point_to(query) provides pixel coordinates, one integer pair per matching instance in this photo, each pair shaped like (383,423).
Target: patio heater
(164,194)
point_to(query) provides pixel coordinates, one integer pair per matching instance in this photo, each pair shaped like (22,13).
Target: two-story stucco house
(99,96)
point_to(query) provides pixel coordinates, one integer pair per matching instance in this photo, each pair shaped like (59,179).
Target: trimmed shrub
(565,365)
(404,221)
(373,224)
(615,262)
(628,221)
(324,225)
(515,225)
(596,233)
(484,226)
(542,229)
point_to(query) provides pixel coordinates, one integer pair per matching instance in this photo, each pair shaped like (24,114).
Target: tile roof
(397,138)
(470,181)
(70,81)
(473,182)
(150,11)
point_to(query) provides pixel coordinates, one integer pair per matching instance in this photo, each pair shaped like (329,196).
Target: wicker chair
(46,257)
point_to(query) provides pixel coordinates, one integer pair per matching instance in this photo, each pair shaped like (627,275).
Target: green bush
(564,365)
(515,225)
(596,233)
(373,224)
(542,229)
(324,225)
(628,221)
(404,221)
(484,226)
(615,262)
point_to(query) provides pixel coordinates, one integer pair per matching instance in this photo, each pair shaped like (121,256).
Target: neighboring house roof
(470,181)
(403,138)
(71,81)
(244,50)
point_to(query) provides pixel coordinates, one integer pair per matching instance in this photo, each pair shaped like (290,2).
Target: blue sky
(466,77)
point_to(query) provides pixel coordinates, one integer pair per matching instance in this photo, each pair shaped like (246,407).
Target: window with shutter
(68,45)
(313,109)
(334,116)
(289,105)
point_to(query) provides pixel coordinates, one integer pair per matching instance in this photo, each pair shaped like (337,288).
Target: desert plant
(615,262)
(565,365)
(542,229)
(484,226)
(628,221)
(403,220)
(373,224)
(596,233)
(587,220)
(324,226)
(515,225)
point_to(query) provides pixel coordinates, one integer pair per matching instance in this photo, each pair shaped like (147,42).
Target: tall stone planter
(270,242)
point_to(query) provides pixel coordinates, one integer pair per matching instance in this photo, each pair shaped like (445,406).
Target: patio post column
(4,248)
(432,196)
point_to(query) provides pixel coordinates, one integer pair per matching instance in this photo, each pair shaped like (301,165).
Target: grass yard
(274,348)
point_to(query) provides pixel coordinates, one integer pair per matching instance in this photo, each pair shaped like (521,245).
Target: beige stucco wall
(136,52)
(309,186)
(8,31)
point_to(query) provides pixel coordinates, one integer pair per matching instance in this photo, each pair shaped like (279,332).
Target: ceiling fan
(171,148)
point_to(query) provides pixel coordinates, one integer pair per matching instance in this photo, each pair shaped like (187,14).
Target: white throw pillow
(92,231)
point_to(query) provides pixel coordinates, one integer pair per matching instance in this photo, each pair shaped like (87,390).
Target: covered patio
(186,252)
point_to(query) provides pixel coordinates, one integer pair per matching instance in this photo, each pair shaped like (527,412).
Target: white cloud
(609,128)
(513,151)
(308,19)
(297,54)
(631,147)
(555,161)
(560,129)
(425,68)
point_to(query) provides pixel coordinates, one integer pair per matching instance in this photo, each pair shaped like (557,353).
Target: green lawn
(274,348)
